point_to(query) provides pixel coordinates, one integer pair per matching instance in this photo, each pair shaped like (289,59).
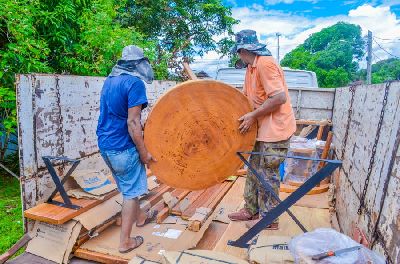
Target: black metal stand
(59,184)
(330,166)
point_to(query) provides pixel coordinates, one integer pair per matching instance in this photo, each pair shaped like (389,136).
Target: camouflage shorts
(256,197)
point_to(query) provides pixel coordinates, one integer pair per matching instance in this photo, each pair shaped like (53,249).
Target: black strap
(200,256)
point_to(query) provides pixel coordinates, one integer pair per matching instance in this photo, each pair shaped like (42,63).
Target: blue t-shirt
(119,93)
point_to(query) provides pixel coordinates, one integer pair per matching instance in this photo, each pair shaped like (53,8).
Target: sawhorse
(283,206)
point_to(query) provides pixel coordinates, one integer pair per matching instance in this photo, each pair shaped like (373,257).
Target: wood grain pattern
(212,236)
(291,188)
(202,201)
(163,214)
(156,195)
(192,131)
(57,215)
(99,257)
(192,196)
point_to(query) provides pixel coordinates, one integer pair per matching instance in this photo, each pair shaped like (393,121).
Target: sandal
(138,242)
(151,215)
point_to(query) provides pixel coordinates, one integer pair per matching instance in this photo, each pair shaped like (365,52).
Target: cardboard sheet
(158,238)
(101,213)
(93,181)
(54,242)
(271,250)
(81,194)
(199,257)
(138,260)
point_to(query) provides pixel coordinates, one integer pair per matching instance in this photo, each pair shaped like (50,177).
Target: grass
(11,224)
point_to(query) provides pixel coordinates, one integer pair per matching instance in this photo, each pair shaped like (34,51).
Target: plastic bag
(321,240)
(298,171)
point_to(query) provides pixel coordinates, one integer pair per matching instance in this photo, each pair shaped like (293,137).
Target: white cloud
(295,28)
(274,2)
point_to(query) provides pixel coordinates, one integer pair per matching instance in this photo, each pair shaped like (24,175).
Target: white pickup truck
(294,78)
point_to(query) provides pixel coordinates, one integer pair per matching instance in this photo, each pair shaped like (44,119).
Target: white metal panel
(294,78)
(57,116)
(358,151)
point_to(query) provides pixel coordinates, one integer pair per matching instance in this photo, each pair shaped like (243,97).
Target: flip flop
(137,244)
(150,217)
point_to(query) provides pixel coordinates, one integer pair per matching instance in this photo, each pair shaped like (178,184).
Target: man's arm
(270,105)
(135,131)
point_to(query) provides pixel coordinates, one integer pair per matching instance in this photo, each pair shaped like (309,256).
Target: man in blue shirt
(120,137)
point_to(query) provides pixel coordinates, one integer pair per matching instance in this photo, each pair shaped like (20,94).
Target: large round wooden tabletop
(192,131)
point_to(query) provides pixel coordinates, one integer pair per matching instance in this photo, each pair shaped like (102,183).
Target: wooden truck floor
(311,210)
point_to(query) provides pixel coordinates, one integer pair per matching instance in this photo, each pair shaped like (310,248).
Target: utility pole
(369,57)
(278,35)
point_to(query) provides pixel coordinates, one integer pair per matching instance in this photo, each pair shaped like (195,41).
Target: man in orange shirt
(266,88)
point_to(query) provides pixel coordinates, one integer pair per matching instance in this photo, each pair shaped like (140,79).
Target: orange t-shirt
(264,79)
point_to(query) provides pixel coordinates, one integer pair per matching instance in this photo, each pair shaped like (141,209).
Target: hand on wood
(247,121)
(146,157)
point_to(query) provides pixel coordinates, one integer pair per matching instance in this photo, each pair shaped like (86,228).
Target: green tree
(333,53)
(180,28)
(382,71)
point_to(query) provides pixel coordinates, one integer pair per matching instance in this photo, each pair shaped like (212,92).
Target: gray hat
(247,39)
(133,62)
(132,52)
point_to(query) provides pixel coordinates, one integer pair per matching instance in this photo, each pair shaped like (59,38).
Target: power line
(386,50)
(376,56)
(384,38)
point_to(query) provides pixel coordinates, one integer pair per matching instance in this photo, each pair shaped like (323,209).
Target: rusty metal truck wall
(57,115)
(382,196)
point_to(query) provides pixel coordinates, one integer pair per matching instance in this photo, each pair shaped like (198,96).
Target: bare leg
(130,213)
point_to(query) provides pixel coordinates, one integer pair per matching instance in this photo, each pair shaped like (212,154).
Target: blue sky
(296,20)
(312,8)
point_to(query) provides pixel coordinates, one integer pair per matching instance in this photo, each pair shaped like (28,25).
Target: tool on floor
(332,253)
(60,184)
(283,206)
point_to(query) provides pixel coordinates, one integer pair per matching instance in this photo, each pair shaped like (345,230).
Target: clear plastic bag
(298,171)
(321,240)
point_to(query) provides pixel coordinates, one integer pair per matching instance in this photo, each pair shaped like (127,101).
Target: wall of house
(382,199)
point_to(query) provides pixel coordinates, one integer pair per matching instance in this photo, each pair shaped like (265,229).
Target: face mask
(240,64)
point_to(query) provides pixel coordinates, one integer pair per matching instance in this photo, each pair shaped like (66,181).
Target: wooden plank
(232,232)
(203,199)
(215,200)
(156,195)
(163,214)
(57,215)
(196,224)
(320,200)
(212,236)
(192,196)
(189,71)
(231,201)
(291,188)
(99,257)
(314,122)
